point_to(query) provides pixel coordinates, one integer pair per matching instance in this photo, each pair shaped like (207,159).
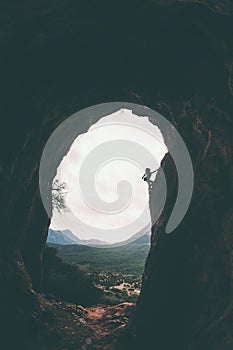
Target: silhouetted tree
(58,194)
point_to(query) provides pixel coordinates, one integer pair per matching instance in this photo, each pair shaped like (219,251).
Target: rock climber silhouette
(147,177)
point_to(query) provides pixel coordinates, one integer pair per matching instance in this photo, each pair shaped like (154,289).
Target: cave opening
(96,255)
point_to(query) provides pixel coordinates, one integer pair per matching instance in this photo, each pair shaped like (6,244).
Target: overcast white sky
(135,129)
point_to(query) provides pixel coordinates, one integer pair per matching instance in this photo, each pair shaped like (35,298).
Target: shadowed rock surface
(69,326)
(176,58)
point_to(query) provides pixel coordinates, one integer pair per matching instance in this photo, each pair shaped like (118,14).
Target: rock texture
(175,57)
(69,326)
(186,299)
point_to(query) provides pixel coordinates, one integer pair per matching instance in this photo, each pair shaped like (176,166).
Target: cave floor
(67,326)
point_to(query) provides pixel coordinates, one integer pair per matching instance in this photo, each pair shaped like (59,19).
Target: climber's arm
(154,171)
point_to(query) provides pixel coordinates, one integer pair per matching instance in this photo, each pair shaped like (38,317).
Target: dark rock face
(188,279)
(177,59)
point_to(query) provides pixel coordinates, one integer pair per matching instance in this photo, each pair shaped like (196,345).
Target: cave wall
(175,57)
(186,299)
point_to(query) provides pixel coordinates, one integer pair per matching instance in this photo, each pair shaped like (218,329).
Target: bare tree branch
(58,195)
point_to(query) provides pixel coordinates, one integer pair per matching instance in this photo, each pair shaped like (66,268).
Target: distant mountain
(57,237)
(145,239)
(141,237)
(65,237)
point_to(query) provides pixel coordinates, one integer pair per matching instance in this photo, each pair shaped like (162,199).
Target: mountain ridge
(66,237)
